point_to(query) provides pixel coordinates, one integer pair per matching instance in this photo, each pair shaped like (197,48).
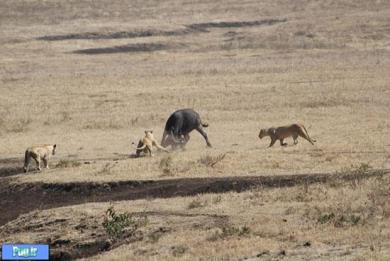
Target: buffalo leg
(185,140)
(204,134)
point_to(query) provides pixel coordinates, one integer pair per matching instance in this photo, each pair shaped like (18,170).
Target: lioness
(280,133)
(146,144)
(38,153)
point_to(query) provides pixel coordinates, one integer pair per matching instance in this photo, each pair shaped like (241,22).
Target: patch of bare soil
(33,196)
(204,26)
(129,48)
(192,28)
(112,35)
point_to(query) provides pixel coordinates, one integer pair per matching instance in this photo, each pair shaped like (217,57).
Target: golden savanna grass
(91,76)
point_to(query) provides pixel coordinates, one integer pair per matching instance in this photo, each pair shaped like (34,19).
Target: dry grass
(91,76)
(336,221)
(68,164)
(211,161)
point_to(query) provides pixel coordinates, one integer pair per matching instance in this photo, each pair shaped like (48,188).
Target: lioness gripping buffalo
(146,144)
(178,127)
(280,133)
(39,153)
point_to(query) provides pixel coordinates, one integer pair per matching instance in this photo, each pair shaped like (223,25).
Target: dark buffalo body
(179,125)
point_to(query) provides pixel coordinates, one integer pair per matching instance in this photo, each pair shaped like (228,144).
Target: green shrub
(229,231)
(121,225)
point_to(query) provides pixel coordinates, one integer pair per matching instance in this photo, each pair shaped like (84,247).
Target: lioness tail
(307,134)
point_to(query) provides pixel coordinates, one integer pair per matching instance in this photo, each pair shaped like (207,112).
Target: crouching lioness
(147,143)
(280,133)
(39,153)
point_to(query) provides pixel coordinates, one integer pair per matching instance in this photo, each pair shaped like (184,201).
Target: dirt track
(22,198)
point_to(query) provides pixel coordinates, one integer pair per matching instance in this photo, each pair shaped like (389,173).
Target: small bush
(170,167)
(68,164)
(363,167)
(357,169)
(155,236)
(325,218)
(339,220)
(358,172)
(197,203)
(211,161)
(217,199)
(346,219)
(121,225)
(229,232)
(166,166)
(106,169)
(178,251)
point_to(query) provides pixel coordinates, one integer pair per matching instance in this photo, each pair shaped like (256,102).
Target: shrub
(166,166)
(340,219)
(357,169)
(178,251)
(210,161)
(325,218)
(67,164)
(120,225)
(197,203)
(229,231)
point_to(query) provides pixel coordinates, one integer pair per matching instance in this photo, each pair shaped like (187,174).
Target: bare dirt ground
(91,76)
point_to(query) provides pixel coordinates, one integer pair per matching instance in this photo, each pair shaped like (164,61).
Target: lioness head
(149,134)
(263,133)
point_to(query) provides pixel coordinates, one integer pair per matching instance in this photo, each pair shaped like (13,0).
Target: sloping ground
(74,233)
(10,167)
(336,220)
(44,196)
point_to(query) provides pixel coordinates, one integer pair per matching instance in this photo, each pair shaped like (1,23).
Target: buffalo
(179,125)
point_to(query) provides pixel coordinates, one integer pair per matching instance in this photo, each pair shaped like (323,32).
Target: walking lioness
(146,144)
(38,153)
(280,133)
